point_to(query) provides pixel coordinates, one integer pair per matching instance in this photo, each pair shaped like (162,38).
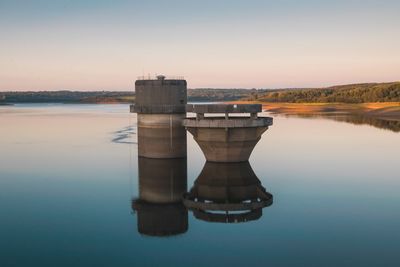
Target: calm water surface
(69,195)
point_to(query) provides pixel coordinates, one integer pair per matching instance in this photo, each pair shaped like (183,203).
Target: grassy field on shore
(387,110)
(381,115)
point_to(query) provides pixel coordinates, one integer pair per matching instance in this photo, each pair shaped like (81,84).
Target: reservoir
(70,194)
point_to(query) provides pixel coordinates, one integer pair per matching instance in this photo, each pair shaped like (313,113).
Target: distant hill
(67,97)
(210,94)
(353,93)
(194,95)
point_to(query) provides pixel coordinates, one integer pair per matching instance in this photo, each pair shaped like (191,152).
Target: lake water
(69,195)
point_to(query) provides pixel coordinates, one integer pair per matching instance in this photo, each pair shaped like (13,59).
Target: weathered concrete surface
(161,136)
(157,109)
(232,122)
(161,107)
(160,96)
(224,187)
(159,208)
(227,145)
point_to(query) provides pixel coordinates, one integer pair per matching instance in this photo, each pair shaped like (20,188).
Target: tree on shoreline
(354,93)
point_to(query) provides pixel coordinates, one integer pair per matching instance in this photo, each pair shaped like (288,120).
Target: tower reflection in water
(223,192)
(159,208)
(228,193)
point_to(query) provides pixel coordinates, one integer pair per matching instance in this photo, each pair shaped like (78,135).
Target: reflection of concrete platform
(227,217)
(227,192)
(226,139)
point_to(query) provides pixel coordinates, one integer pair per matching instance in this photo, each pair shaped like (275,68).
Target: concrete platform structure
(227,192)
(227,138)
(159,208)
(161,107)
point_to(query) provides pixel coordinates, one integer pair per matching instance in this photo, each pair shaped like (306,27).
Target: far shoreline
(383,110)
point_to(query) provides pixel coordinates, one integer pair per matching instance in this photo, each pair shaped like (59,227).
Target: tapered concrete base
(227,144)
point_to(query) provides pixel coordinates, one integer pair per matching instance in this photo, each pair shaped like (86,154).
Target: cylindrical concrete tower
(161,107)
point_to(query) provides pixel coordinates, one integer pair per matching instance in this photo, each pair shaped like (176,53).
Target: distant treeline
(67,97)
(210,94)
(195,95)
(353,93)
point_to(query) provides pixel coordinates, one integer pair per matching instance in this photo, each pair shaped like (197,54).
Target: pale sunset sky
(105,45)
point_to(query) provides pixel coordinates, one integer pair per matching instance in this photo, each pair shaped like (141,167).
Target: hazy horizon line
(214,88)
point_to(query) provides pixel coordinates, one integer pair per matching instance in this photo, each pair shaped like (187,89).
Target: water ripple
(124,135)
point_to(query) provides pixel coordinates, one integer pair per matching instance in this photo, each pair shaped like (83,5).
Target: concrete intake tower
(160,105)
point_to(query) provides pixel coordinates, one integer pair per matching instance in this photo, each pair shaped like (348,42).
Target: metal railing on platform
(156,77)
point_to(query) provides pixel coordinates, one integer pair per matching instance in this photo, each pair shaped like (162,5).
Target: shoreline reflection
(389,124)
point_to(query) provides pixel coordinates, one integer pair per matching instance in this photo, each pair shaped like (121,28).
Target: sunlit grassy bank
(382,110)
(380,115)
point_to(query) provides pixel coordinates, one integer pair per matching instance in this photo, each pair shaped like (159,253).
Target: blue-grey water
(69,173)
